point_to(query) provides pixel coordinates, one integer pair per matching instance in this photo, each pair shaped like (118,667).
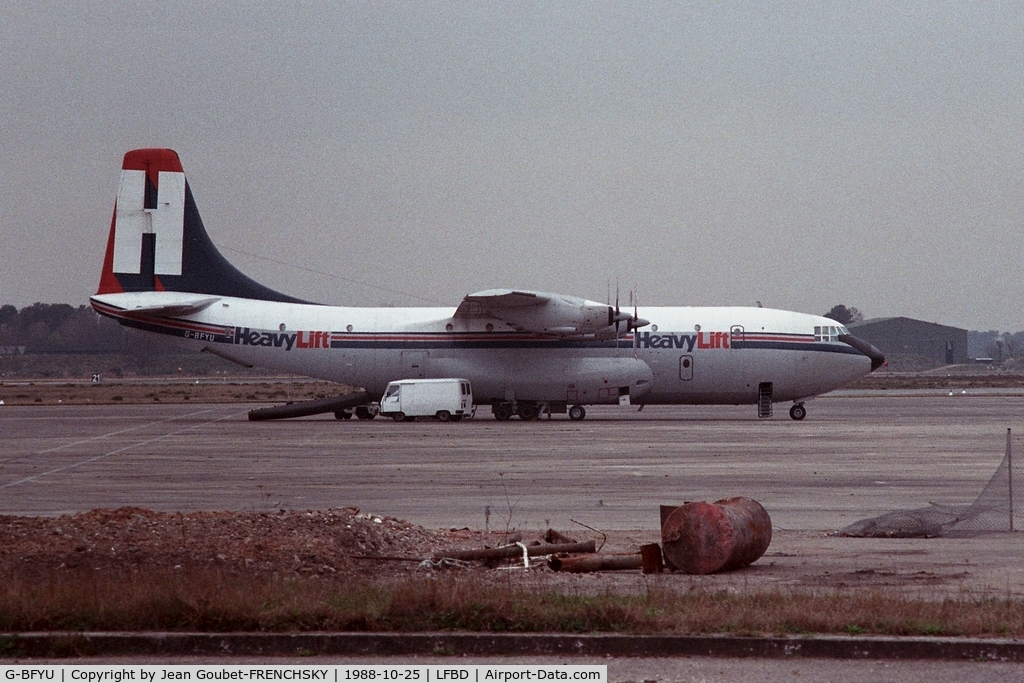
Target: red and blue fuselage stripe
(432,340)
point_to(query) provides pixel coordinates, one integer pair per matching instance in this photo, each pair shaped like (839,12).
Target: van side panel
(426,398)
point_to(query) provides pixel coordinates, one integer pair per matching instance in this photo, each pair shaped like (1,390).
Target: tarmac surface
(857,455)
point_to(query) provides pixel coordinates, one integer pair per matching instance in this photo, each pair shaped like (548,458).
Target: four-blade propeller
(616,317)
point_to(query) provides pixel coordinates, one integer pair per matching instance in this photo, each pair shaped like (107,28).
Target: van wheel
(577,412)
(398,417)
(443,415)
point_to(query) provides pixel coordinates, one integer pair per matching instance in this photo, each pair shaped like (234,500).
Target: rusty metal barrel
(704,538)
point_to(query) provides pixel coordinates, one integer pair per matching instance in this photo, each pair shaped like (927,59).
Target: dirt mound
(311,543)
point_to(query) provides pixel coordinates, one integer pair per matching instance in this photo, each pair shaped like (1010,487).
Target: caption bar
(419,673)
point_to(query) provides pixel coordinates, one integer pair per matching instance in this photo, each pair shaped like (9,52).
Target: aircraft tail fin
(157,240)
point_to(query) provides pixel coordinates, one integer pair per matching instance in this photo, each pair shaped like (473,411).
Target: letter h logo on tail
(148,229)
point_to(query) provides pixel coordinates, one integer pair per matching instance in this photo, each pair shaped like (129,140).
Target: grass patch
(204,599)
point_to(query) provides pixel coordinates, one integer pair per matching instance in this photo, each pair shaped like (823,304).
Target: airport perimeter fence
(992,511)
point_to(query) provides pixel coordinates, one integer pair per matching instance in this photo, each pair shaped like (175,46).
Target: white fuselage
(686,355)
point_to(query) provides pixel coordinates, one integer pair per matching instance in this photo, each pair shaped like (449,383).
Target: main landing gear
(798,412)
(526,410)
(530,410)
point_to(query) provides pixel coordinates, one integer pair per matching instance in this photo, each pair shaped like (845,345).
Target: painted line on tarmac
(100,436)
(123,448)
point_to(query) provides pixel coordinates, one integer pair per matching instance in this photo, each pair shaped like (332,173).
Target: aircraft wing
(544,313)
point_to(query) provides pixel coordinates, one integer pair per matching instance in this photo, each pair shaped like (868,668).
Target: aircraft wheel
(398,417)
(577,412)
(529,411)
(363,413)
(798,412)
(443,416)
(502,412)
(342,415)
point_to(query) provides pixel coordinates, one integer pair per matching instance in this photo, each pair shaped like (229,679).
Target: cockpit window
(828,333)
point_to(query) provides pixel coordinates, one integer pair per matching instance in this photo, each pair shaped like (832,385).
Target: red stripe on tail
(152,161)
(108,281)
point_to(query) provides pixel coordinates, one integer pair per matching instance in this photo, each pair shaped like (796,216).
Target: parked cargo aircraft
(525,352)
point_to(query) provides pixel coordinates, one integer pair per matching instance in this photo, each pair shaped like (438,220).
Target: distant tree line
(843,315)
(61,328)
(999,346)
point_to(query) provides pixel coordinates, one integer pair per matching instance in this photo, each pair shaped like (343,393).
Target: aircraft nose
(869,350)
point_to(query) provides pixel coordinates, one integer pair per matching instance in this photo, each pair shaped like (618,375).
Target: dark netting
(1000,500)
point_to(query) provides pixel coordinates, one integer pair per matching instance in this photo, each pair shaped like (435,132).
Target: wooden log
(516,551)
(596,562)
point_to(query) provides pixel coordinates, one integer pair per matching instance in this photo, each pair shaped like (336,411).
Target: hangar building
(942,344)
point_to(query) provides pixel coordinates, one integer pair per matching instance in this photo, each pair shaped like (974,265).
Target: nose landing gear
(798,412)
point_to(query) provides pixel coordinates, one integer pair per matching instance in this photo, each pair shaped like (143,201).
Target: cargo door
(737,377)
(414,364)
(736,337)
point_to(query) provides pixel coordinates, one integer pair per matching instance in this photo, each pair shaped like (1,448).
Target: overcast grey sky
(801,154)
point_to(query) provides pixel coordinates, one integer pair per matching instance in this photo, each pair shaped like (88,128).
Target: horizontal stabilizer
(175,309)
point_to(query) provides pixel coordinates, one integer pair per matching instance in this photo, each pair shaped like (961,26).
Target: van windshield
(392,390)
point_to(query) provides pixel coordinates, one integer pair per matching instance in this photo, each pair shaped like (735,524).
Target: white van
(444,399)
